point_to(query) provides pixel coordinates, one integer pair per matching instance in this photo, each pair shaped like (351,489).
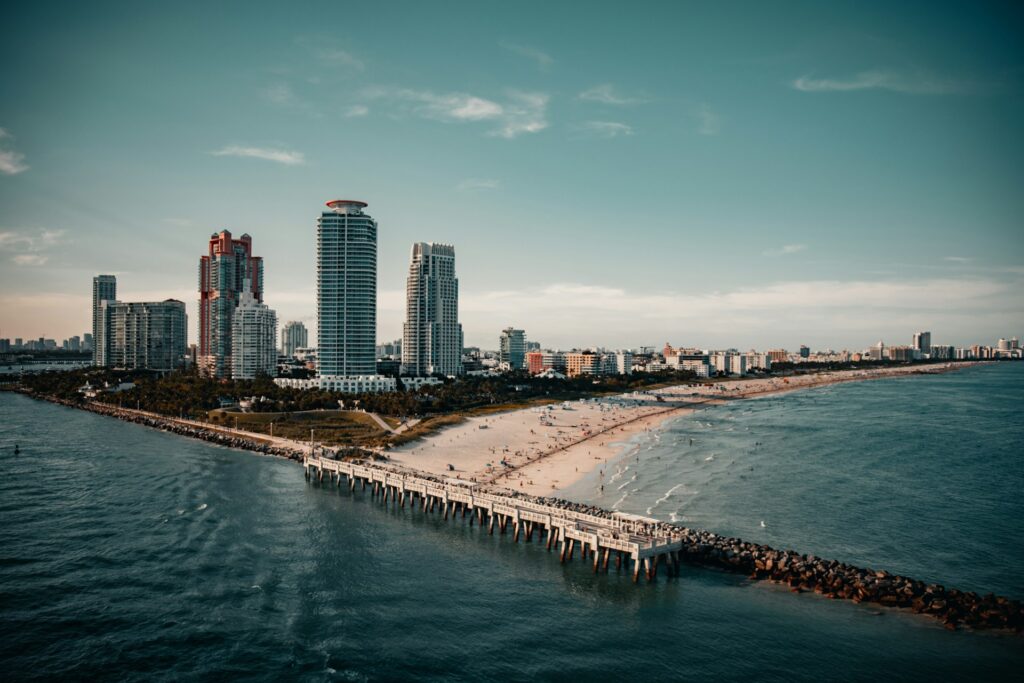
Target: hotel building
(228,269)
(432,335)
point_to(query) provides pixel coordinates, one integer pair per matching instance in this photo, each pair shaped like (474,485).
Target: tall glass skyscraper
(104,288)
(346,290)
(224,272)
(432,336)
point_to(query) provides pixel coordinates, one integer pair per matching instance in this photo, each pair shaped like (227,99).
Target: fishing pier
(636,543)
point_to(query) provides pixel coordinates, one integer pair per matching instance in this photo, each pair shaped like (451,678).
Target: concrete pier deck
(636,543)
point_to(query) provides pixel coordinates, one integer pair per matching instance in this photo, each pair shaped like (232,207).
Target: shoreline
(545,451)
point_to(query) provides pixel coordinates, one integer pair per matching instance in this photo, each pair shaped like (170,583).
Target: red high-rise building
(227,270)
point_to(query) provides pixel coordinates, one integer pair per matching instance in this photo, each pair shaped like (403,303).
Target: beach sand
(542,450)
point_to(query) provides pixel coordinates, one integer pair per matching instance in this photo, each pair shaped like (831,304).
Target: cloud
(472,184)
(847,312)
(605,94)
(342,58)
(30,259)
(543,59)
(357,110)
(12,162)
(279,93)
(908,83)
(28,248)
(710,123)
(606,129)
(958,259)
(520,112)
(281,156)
(785,249)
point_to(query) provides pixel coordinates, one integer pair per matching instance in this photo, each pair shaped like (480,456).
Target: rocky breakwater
(843,581)
(212,435)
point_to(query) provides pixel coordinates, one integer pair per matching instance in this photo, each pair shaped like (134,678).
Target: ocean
(130,554)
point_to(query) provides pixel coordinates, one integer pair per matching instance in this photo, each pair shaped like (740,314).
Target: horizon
(831,181)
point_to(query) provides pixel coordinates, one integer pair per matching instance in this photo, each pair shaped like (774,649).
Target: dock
(637,544)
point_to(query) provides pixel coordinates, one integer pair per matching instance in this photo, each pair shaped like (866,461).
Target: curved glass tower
(346,286)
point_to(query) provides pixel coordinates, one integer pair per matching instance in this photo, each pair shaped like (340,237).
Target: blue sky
(710,174)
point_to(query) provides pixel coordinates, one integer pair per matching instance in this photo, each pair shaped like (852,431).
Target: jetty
(644,545)
(638,544)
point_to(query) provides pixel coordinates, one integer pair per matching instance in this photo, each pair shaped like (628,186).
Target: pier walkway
(636,543)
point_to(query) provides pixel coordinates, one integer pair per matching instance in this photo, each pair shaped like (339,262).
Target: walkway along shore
(645,545)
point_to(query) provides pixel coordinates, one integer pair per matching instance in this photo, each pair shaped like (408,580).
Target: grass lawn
(332,427)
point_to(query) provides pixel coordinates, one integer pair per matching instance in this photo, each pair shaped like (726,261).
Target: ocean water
(131,554)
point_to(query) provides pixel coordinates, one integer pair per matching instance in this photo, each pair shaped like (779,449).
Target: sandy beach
(542,450)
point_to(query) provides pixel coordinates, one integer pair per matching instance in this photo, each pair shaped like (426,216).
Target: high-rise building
(922,342)
(87,342)
(293,336)
(144,336)
(346,290)
(104,288)
(805,352)
(253,338)
(512,348)
(224,272)
(432,335)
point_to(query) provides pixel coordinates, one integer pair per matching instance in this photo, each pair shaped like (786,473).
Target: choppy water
(127,553)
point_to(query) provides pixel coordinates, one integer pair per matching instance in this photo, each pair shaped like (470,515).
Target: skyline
(831,181)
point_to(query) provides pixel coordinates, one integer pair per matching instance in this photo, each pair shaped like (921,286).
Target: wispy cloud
(357,110)
(12,162)
(342,58)
(281,156)
(710,122)
(519,112)
(279,93)
(785,249)
(606,129)
(915,83)
(850,310)
(543,59)
(30,247)
(958,259)
(606,94)
(472,184)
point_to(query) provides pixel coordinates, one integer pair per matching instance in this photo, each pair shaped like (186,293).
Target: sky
(610,174)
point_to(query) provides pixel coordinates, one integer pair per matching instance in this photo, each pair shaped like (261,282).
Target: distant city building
(391,350)
(512,348)
(943,352)
(532,346)
(144,335)
(923,342)
(624,363)
(805,352)
(534,362)
(903,353)
(432,335)
(293,336)
(582,363)
(253,338)
(224,272)
(104,288)
(346,276)
(778,355)
(87,341)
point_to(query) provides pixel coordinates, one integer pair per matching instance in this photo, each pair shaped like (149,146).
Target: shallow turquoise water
(127,553)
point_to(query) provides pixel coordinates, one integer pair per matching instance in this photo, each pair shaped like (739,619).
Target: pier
(636,544)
